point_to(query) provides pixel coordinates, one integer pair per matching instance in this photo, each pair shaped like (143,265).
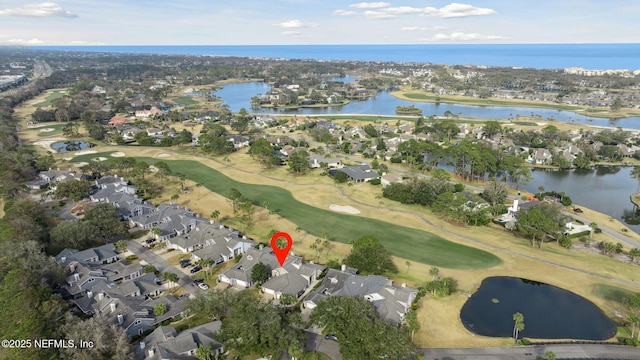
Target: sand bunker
(67,159)
(118,154)
(100,159)
(47,130)
(163,155)
(85,152)
(81,164)
(46,144)
(344,209)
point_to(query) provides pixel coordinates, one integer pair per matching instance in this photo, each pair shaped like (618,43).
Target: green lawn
(184,100)
(612,293)
(56,126)
(389,119)
(408,243)
(55,95)
(490,102)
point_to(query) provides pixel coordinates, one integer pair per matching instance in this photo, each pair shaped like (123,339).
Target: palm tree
(518,325)
(174,197)
(215,214)
(408,263)
(434,272)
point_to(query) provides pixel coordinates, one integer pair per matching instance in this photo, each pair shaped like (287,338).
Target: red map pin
(281,254)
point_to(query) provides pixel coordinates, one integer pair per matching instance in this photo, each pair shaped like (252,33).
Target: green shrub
(132,257)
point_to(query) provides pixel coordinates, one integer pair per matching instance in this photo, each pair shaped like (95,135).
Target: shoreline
(426,97)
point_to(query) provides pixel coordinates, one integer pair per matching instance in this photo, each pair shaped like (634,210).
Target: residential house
(541,156)
(155,132)
(293,278)
(166,343)
(360,173)
(98,255)
(388,179)
(118,120)
(356,132)
(240,274)
(332,163)
(171,219)
(238,141)
(211,241)
(147,113)
(391,301)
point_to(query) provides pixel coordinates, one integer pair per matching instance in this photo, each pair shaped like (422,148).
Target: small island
(408,110)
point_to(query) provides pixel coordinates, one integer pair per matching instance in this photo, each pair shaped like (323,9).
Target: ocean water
(540,56)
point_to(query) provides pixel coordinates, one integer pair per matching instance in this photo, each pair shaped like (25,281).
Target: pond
(549,312)
(69,146)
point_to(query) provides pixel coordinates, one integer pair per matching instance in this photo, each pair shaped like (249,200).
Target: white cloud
(415,28)
(344,13)
(378,15)
(33,41)
(385,11)
(454,10)
(291,33)
(291,24)
(404,10)
(370,5)
(82,42)
(462,36)
(44,9)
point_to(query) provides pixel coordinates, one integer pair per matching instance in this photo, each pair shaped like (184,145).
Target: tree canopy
(362,335)
(369,256)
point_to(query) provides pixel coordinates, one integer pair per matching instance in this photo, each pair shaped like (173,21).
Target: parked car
(150,240)
(184,263)
(196,269)
(203,286)
(198,281)
(331,337)
(183,296)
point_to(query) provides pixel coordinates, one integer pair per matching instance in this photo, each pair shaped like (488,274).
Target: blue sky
(260,22)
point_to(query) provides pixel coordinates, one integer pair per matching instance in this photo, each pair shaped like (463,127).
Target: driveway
(317,342)
(162,265)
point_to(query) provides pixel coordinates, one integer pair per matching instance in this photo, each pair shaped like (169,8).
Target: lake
(237,96)
(606,189)
(549,312)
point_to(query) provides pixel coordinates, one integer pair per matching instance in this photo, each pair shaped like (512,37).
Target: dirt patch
(81,164)
(118,154)
(344,209)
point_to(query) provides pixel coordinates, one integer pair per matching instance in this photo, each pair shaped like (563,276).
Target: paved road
(317,342)
(162,265)
(569,351)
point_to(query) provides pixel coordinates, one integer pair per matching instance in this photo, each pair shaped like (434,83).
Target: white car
(203,286)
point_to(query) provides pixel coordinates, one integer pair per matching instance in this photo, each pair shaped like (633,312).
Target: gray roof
(95,255)
(167,343)
(296,279)
(214,237)
(242,270)
(360,172)
(391,301)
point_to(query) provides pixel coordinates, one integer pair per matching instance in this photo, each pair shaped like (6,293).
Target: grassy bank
(408,243)
(414,95)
